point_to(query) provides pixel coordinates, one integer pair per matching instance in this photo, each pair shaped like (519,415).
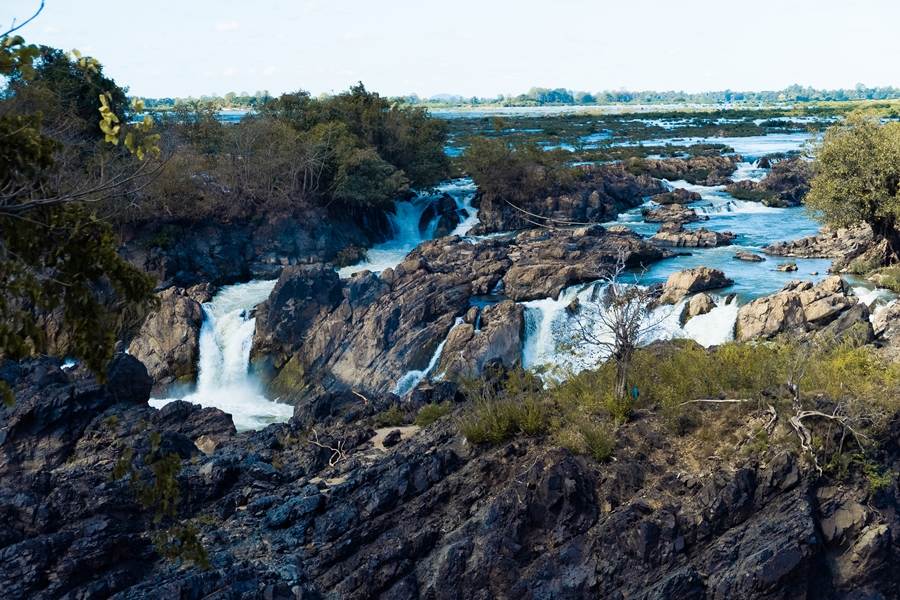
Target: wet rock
(841,244)
(675,235)
(690,281)
(168,342)
(703,170)
(676,196)
(700,304)
(501,337)
(672,213)
(785,185)
(748,256)
(887,321)
(786,267)
(798,306)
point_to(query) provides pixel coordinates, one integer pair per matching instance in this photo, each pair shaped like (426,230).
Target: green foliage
(861,266)
(857,176)
(181,543)
(496,414)
(890,279)
(431,412)
(392,417)
(598,441)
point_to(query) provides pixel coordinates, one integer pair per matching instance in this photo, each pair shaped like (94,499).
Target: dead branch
(338,453)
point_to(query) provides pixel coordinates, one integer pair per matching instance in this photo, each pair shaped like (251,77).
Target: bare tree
(616,319)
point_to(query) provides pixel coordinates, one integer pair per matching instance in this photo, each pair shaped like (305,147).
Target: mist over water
(225,381)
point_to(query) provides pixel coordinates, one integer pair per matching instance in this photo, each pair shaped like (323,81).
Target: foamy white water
(411,379)
(747,171)
(224,380)
(408,234)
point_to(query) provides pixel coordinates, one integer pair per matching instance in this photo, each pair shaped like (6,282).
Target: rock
(841,244)
(675,235)
(748,256)
(700,304)
(471,316)
(785,185)
(600,195)
(852,327)
(786,267)
(672,213)
(391,439)
(168,342)
(690,281)
(798,306)
(501,337)
(676,196)
(703,170)
(887,321)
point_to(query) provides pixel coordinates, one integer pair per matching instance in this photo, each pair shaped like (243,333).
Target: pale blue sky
(473,47)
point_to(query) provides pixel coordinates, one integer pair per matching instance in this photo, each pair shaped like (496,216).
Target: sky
(168,48)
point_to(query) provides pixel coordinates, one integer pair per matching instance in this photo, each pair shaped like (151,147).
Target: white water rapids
(225,380)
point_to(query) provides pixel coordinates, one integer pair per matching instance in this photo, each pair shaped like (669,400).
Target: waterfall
(224,380)
(407,233)
(412,378)
(547,323)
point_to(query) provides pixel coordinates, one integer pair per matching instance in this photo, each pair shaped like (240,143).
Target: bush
(392,417)
(430,413)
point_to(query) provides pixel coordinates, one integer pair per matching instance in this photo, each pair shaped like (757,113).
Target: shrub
(430,413)
(392,417)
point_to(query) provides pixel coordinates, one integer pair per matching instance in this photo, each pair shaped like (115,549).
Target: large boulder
(799,306)
(676,236)
(501,336)
(699,304)
(676,196)
(168,342)
(690,281)
(672,213)
(841,244)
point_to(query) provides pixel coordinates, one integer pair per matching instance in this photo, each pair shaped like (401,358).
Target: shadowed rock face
(601,194)
(316,332)
(842,244)
(426,517)
(674,235)
(168,342)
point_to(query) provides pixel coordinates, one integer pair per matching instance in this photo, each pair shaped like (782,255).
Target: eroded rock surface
(799,306)
(672,213)
(843,244)
(690,281)
(676,236)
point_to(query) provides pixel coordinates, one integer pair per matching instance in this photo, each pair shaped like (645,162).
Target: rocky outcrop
(676,196)
(600,195)
(799,306)
(672,213)
(699,304)
(748,256)
(703,170)
(785,185)
(841,244)
(786,267)
(316,332)
(427,515)
(691,281)
(674,235)
(168,342)
(886,322)
(501,336)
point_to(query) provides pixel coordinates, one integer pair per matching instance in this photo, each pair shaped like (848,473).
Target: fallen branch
(337,453)
(718,401)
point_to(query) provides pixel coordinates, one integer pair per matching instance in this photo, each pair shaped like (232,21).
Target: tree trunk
(622,366)
(885,229)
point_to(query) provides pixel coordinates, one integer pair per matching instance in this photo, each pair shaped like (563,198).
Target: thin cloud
(268,71)
(229,71)
(226,26)
(51,29)
(310,6)
(352,35)
(464,34)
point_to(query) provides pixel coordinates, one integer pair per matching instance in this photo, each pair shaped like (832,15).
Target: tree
(615,321)
(856,178)
(55,252)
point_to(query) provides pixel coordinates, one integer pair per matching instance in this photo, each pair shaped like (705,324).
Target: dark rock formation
(674,235)
(748,256)
(702,170)
(425,515)
(316,332)
(168,342)
(602,193)
(672,213)
(676,196)
(502,335)
(785,185)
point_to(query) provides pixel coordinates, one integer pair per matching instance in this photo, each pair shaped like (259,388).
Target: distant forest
(538,96)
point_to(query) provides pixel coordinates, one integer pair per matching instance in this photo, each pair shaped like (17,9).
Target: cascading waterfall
(407,233)
(224,380)
(412,378)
